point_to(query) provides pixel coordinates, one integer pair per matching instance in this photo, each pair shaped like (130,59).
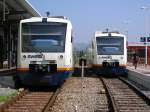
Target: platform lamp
(146,9)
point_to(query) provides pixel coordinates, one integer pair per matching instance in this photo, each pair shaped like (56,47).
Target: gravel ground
(81,95)
(6,92)
(5,83)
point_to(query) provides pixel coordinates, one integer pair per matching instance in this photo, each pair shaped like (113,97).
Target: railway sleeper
(133,105)
(129,102)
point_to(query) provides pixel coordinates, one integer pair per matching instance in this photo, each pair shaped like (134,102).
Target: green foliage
(4,98)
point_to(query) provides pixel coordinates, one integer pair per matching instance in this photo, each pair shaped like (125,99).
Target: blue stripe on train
(45,79)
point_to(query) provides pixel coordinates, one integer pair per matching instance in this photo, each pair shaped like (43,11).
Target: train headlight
(61,56)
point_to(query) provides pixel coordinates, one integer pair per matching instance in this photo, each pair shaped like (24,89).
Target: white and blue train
(108,53)
(45,51)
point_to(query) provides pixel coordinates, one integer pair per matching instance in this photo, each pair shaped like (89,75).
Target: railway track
(91,96)
(82,95)
(124,98)
(31,101)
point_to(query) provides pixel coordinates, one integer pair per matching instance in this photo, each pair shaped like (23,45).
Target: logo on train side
(33,56)
(106,57)
(24,56)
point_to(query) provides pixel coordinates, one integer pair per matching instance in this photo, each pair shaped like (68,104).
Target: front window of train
(43,37)
(110,45)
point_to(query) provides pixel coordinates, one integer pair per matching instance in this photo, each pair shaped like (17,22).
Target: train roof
(98,34)
(61,19)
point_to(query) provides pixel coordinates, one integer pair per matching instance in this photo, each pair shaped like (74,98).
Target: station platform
(141,68)
(140,75)
(7,71)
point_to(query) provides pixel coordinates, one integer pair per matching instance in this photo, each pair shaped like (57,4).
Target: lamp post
(126,28)
(146,29)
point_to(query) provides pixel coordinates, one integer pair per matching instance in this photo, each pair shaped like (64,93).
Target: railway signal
(145,40)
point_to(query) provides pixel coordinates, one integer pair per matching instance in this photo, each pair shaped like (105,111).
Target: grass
(5,98)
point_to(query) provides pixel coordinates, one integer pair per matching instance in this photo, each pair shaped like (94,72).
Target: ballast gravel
(81,95)
(6,92)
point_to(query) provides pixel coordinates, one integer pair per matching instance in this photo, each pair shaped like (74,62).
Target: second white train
(108,53)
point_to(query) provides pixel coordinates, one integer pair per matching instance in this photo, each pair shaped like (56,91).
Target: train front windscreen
(43,37)
(110,45)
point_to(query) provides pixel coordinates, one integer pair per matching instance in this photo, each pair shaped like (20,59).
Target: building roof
(27,6)
(137,44)
(17,10)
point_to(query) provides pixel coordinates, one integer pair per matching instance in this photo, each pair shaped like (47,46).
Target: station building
(11,12)
(139,49)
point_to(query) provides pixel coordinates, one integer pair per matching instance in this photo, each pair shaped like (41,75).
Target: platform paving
(7,71)
(141,68)
(140,75)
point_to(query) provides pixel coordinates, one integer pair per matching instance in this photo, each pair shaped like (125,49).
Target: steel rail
(137,90)
(13,100)
(51,101)
(110,96)
(136,95)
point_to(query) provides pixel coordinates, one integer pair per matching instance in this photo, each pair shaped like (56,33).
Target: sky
(88,16)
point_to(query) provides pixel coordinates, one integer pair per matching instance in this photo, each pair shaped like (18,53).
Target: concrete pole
(146,32)
(82,75)
(4,10)
(146,52)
